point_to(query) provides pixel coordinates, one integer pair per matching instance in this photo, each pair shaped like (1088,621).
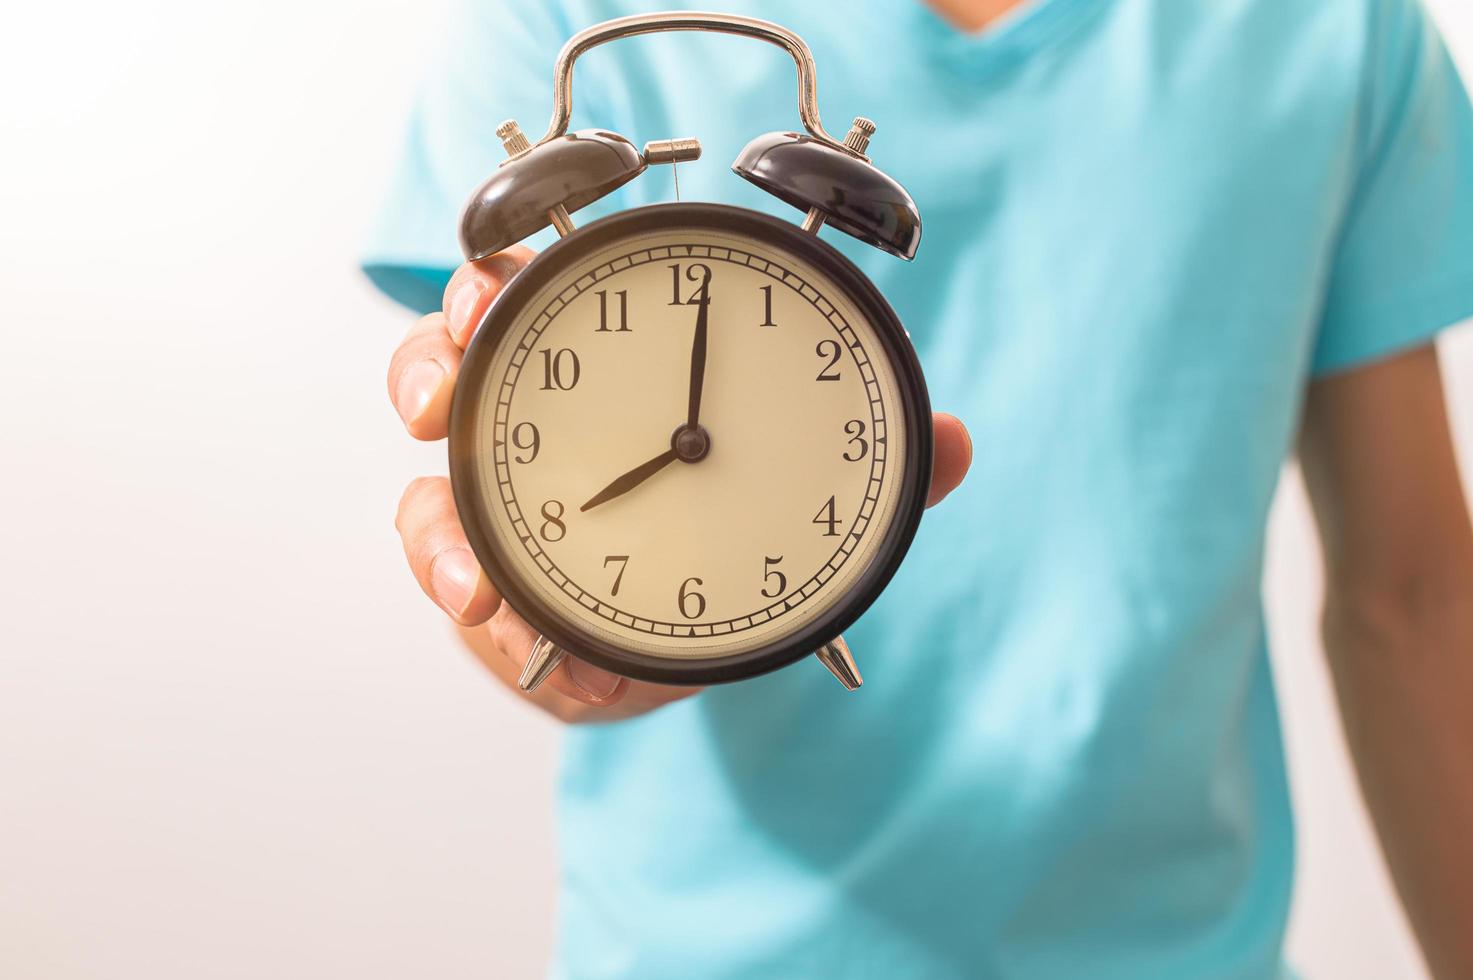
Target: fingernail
(463,305)
(591,680)
(453,576)
(417,388)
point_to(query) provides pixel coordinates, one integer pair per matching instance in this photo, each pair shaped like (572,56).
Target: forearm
(1403,670)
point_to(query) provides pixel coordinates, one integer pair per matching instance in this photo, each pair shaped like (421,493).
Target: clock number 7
(623,561)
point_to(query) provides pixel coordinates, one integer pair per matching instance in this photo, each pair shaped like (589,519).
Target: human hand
(421,381)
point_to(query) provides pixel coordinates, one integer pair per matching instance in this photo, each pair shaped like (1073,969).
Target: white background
(234,739)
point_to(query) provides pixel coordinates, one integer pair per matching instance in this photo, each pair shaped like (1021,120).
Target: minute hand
(698,358)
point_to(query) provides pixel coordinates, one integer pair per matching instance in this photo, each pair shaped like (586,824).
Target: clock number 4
(560,370)
(695,272)
(623,561)
(688,597)
(828,518)
(603,312)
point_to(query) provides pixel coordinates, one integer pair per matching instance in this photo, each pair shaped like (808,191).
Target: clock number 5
(830,370)
(686,597)
(623,561)
(770,573)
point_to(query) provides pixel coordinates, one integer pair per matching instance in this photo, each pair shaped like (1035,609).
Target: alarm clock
(689,442)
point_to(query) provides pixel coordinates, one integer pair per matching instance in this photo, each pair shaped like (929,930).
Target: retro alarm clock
(689,442)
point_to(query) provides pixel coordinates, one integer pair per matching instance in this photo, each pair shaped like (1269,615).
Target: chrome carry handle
(689,20)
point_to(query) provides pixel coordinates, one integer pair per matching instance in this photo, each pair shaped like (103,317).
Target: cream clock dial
(690,443)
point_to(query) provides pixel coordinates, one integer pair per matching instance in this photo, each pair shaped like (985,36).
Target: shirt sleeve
(1403,269)
(495,62)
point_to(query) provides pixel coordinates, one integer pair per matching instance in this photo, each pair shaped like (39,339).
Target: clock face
(616,526)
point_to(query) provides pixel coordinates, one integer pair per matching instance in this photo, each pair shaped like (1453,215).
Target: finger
(953,457)
(439,554)
(422,378)
(573,678)
(474,285)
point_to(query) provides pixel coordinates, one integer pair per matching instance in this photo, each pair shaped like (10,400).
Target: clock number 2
(769,573)
(687,597)
(822,350)
(623,561)
(828,518)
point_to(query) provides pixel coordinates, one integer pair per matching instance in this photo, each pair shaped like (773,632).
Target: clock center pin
(690,444)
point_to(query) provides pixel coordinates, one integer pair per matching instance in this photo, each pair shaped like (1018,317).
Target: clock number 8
(552,513)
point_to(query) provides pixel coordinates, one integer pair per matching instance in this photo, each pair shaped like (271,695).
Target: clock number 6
(769,572)
(822,350)
(684,596)
(623,561)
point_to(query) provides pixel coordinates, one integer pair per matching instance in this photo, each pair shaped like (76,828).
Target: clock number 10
(560,370)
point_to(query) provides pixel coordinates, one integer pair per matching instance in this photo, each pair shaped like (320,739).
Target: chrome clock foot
(836,657)
(542,661)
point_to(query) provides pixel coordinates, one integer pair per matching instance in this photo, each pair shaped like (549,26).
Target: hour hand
(631,479)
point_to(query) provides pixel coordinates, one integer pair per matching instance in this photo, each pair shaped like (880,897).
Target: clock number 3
(854,429)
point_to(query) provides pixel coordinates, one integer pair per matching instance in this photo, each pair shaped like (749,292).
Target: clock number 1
(767,308)
(827,517)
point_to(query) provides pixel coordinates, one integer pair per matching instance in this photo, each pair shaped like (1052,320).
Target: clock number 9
(552,513)
(684,598)
(769,572)
(533,445)
(854,429)
(822,350)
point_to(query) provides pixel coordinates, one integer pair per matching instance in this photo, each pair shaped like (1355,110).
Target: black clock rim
(915,478)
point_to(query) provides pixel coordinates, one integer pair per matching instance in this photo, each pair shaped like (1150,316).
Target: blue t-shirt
(1148,224)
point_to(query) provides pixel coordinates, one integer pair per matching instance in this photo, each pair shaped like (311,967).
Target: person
(1167,245)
